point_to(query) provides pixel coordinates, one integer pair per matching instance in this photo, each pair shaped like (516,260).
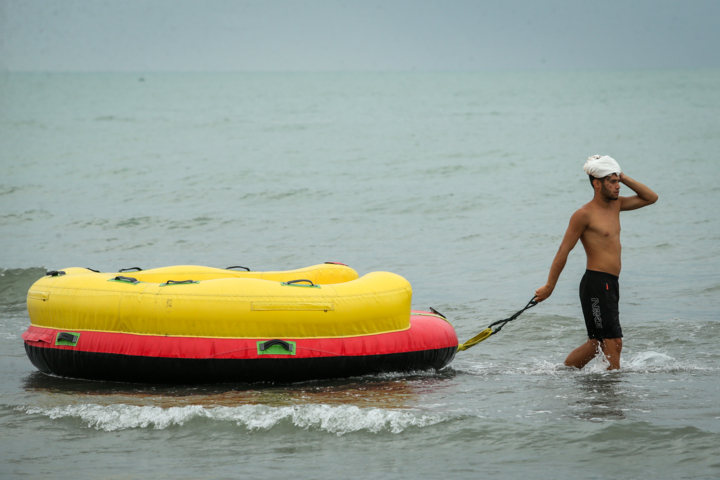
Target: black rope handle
(138,269)
(292,282)
(488,332)
(502,323)
(178,282)
(265,345)
(237,266)
(120,278)
(55,273)
(68,337)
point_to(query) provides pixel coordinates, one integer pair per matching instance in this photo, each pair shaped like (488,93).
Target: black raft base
(137,369)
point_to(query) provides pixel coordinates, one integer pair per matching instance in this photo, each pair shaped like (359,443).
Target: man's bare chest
(604,226)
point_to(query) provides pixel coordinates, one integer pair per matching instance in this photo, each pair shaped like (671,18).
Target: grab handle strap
(120,278)
(265,345)
(299,283)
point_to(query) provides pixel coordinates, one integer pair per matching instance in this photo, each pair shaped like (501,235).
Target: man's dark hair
(602,180)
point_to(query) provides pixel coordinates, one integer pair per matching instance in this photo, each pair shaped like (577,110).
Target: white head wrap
(601,166)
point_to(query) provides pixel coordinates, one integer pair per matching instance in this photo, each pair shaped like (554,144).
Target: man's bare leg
(582,355)
(611,347)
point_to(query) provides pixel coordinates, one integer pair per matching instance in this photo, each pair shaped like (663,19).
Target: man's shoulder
(584,212)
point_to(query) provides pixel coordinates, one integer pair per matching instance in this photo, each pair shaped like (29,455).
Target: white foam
(650,361)
(643,362)
(535,367)
(644,359)
(333,419)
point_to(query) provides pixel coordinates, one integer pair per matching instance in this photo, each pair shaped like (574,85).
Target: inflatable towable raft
(191,324)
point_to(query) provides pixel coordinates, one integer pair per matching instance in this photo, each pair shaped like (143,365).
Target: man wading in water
(597,226)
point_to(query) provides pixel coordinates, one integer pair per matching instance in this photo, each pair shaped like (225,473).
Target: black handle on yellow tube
(300,283)
(179,282)
(120,278)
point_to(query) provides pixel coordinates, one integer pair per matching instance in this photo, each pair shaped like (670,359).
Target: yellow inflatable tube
(224,304)
(327,273)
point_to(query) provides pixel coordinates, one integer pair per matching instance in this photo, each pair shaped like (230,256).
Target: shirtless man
(597,225)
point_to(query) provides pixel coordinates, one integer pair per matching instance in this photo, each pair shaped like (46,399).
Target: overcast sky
(384,35)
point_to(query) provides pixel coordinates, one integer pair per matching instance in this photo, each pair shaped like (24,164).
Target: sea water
(463,183)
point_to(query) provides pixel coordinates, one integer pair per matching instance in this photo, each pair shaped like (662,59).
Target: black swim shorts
(599,295)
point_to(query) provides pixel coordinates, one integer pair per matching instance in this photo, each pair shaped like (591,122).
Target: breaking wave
(338,420)
(14,285)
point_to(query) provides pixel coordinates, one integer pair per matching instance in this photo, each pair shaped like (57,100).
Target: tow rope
(489,330)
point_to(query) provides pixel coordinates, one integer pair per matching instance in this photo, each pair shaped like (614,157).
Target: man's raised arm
(644,196)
